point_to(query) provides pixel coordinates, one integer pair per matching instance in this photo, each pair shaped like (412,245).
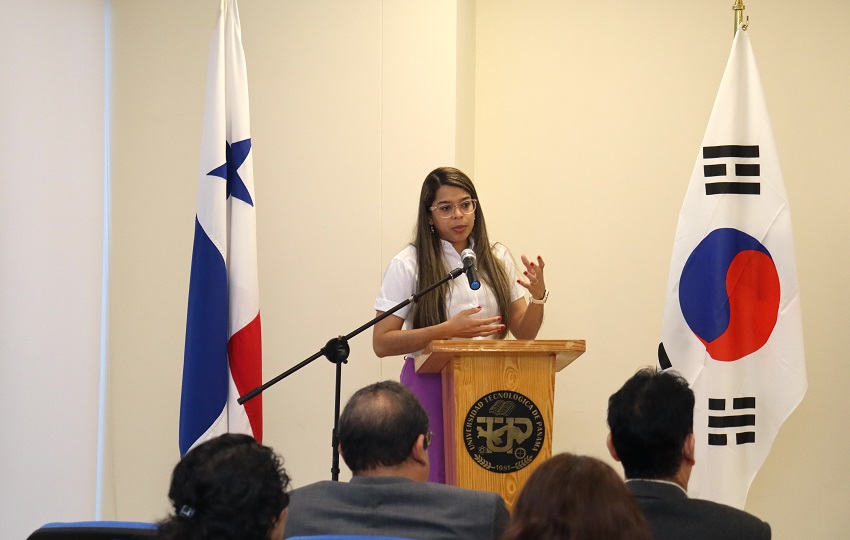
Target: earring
(432,228)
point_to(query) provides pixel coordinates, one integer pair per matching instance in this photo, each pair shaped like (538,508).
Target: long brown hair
(431,308)
(573,497)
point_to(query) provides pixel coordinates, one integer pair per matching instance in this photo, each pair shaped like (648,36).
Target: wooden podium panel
(480,374)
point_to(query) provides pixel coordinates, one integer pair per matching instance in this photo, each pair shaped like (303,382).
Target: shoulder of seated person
(732,512)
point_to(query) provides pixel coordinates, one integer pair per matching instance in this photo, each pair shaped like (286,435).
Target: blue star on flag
(235,156)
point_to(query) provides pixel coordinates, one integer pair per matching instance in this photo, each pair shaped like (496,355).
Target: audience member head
(383,431)
(651,420)
(573,497)
(229,488)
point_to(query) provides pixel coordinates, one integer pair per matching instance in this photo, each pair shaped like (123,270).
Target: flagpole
(739,15)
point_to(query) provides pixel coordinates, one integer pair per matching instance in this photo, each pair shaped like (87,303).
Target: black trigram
(714,170)
(740,420)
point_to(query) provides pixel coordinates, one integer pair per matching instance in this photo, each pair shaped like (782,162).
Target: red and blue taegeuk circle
(729,294)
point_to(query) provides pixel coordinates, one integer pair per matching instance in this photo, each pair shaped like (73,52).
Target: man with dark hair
(383,438)
(651,422)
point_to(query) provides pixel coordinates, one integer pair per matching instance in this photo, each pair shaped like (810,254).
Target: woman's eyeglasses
(447,210)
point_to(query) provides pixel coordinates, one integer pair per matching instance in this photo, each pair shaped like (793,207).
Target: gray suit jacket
(395,507)
(673,515)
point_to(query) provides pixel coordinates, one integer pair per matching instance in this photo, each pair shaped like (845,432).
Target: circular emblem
(503,431)
(729,294)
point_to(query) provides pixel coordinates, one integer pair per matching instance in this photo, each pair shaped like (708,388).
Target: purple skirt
(428,388)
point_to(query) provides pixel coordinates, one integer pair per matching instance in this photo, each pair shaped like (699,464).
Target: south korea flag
(732,321)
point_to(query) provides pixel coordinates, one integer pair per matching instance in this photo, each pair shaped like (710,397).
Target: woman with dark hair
(228,488)
(450,220)
(573,497)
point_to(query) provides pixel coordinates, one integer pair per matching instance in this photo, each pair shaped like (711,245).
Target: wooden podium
(497,407)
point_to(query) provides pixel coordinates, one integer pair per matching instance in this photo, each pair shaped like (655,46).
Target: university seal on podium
(503,431)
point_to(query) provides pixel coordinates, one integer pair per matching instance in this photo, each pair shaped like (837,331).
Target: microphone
(469,260)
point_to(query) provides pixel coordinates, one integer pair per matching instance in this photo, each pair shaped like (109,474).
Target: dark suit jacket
(673,515)
(395,507)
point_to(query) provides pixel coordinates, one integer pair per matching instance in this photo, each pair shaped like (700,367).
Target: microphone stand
(336,350)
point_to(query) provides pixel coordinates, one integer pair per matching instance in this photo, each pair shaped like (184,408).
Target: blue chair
(95,530)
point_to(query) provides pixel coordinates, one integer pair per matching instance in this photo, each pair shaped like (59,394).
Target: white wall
(581,122)
(51,237)
(589,119)
(347,120)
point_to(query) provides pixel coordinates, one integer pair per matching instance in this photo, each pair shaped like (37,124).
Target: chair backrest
(95,530)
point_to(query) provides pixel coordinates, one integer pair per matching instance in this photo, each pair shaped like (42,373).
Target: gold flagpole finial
(739,15)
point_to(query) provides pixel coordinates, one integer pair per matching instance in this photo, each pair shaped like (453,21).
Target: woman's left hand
(534,273)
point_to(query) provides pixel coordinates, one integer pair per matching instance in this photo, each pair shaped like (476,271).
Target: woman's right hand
(466,325)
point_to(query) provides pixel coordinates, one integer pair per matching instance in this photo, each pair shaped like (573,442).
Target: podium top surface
(439,352)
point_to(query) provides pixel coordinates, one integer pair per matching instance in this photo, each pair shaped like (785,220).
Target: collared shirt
(402,273)
(636,480)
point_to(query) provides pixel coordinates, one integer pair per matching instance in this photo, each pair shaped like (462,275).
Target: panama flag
(223,354)
(732,322)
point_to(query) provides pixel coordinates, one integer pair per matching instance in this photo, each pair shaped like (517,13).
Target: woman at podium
(450,221)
